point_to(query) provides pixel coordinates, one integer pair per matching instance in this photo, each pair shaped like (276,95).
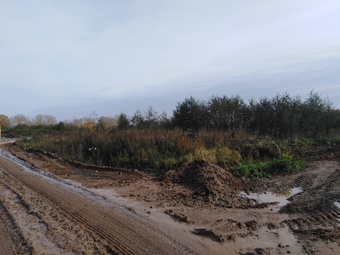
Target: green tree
(226,112)
(123,122)
(287,114)
(151,118)
(263,114)
(314,112)
(191,115)
(138,120)
(164,121)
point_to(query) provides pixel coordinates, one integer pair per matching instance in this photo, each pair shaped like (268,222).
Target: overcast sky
(68,58)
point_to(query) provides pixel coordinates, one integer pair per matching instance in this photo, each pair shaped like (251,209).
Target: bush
(261,149)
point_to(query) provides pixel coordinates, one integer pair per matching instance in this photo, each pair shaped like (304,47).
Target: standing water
(279,198)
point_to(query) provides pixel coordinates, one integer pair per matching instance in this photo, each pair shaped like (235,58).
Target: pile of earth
(209,182)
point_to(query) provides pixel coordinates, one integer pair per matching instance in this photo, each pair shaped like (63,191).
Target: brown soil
(67,208)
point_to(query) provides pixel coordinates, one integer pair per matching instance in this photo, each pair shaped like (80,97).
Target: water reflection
(283,193)
(280,198)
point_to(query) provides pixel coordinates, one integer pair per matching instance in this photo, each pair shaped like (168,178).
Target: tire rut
(123,233)
(12,242)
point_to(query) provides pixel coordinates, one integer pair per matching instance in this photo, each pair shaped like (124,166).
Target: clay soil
(50,206)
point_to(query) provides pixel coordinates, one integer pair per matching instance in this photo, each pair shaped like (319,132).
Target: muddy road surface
(43,215)
(52,206)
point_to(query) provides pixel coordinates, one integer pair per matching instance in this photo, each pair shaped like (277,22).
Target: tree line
(282,116)
(20,119)
(221,130)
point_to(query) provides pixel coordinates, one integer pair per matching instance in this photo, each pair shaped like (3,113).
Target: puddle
(280,198)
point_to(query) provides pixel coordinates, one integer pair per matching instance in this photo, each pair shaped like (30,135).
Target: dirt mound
(206,180)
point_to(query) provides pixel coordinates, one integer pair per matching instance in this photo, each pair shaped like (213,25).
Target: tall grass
(157,150)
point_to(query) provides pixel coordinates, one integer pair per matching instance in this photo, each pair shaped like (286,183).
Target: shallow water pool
(280,198)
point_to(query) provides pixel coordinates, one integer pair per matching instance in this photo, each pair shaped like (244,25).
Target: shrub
(225,155)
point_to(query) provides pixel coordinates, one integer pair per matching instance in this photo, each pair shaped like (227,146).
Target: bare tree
(20,119)
(107,122)
(50,120)
(41,119)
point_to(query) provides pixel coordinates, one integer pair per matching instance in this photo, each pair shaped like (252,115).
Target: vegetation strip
(258,139)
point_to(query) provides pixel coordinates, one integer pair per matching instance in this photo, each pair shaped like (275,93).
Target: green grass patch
(268,168)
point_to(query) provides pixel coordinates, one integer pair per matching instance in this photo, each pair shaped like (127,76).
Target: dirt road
(57,218)
(49,206)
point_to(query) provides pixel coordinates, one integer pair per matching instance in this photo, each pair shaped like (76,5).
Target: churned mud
(50,206)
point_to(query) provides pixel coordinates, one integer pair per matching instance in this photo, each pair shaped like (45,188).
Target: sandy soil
(50,206)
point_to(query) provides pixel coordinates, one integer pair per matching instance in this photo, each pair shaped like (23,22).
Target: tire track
(5,240)
(11,240)
(123,232)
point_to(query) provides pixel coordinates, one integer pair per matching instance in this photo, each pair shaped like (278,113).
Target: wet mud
(199,208)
